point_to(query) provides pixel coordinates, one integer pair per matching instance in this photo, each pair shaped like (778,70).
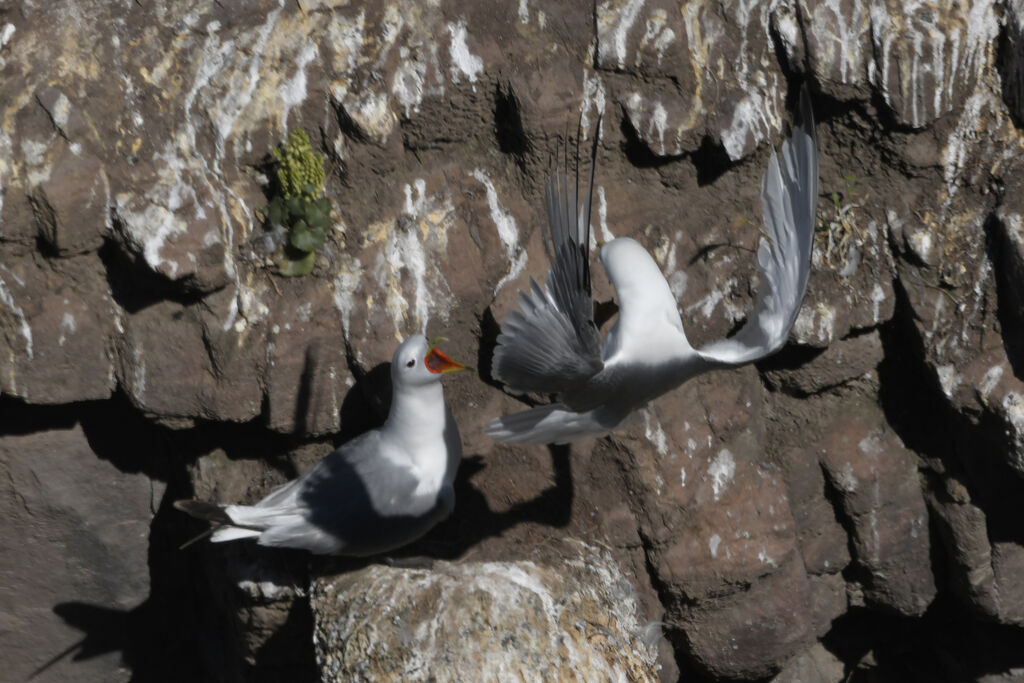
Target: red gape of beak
(437,362)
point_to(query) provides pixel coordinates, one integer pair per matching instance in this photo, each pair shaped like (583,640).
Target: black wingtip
(201,509)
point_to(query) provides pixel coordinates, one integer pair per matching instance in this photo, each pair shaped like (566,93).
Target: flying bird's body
(552,345)
(379,491)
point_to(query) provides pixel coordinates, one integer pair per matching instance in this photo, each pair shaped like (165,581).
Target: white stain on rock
(67,326)
(877,297)
(713,544)
(6,33)
(815,324)
(593,98)
(7,299)
(845,479)
(1013,405)
(524,12)
(409,263)
(721,470)
(654,432)
(602,215)
(990,380)
(949,380)
(464,63)
(508,233)
(613,26)
(294,91)
(408,83)
(346,283)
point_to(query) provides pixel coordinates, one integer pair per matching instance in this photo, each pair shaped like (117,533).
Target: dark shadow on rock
(474,520)
(710,161)
(1010,65)
(508,124)
(1009,294)
(134,286)
(106,630)
(367,403)
(304,396)
(637,151)
(974,449)
(20,418)
(289,654)
(604,311)
(946,645)
(789,357)
(158,639)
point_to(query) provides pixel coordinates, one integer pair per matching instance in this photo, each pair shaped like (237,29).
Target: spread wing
(552,344)
(789,198)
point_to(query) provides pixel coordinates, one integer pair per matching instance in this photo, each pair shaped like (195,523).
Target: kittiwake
(553,345)
(381,490)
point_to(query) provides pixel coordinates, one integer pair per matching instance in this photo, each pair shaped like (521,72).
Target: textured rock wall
(850,507)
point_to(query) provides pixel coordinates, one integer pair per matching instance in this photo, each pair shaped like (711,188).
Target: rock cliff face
(849,509)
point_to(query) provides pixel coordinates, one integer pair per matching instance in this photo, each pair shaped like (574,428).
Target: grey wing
(552,345)
(789,198)
(358,502)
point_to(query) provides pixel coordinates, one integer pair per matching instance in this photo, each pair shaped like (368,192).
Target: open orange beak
(437,362)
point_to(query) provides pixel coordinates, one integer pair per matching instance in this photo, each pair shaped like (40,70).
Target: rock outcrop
(789,519)
(571,619)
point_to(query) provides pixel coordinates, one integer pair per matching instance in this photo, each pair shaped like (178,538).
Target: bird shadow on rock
(474,520)
(156,638)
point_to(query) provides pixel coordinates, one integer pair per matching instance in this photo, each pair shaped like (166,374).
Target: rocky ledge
(847,510)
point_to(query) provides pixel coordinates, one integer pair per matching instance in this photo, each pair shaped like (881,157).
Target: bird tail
(554,423)
(229,521)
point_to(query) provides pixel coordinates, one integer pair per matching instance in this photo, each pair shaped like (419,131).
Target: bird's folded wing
(553,344)
(789,197)
(365,478)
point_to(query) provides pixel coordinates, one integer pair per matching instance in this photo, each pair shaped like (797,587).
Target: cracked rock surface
(849,509)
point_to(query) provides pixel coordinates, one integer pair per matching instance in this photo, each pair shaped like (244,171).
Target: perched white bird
(381,490)
(553,346)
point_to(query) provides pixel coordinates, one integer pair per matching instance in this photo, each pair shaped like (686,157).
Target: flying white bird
(381,490)
(553,346)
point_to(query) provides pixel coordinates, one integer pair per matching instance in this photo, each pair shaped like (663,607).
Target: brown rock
(828,601)
(963,530)
(840,362)
(74,542)
(816,664)
(58,326)
(190,369)
(575,617)
(1008,569)
(877,481)
(177,238)
(750,634)
(306,373)
(71,205)
(732,83)
(820,537)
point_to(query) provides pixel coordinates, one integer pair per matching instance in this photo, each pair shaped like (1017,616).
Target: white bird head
(418,362)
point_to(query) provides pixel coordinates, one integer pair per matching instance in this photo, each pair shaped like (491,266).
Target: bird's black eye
(412,362)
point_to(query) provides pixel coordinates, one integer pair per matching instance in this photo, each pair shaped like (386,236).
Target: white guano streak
(508,233)
(464,62)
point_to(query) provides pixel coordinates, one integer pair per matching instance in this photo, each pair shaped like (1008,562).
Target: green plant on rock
(299,209)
